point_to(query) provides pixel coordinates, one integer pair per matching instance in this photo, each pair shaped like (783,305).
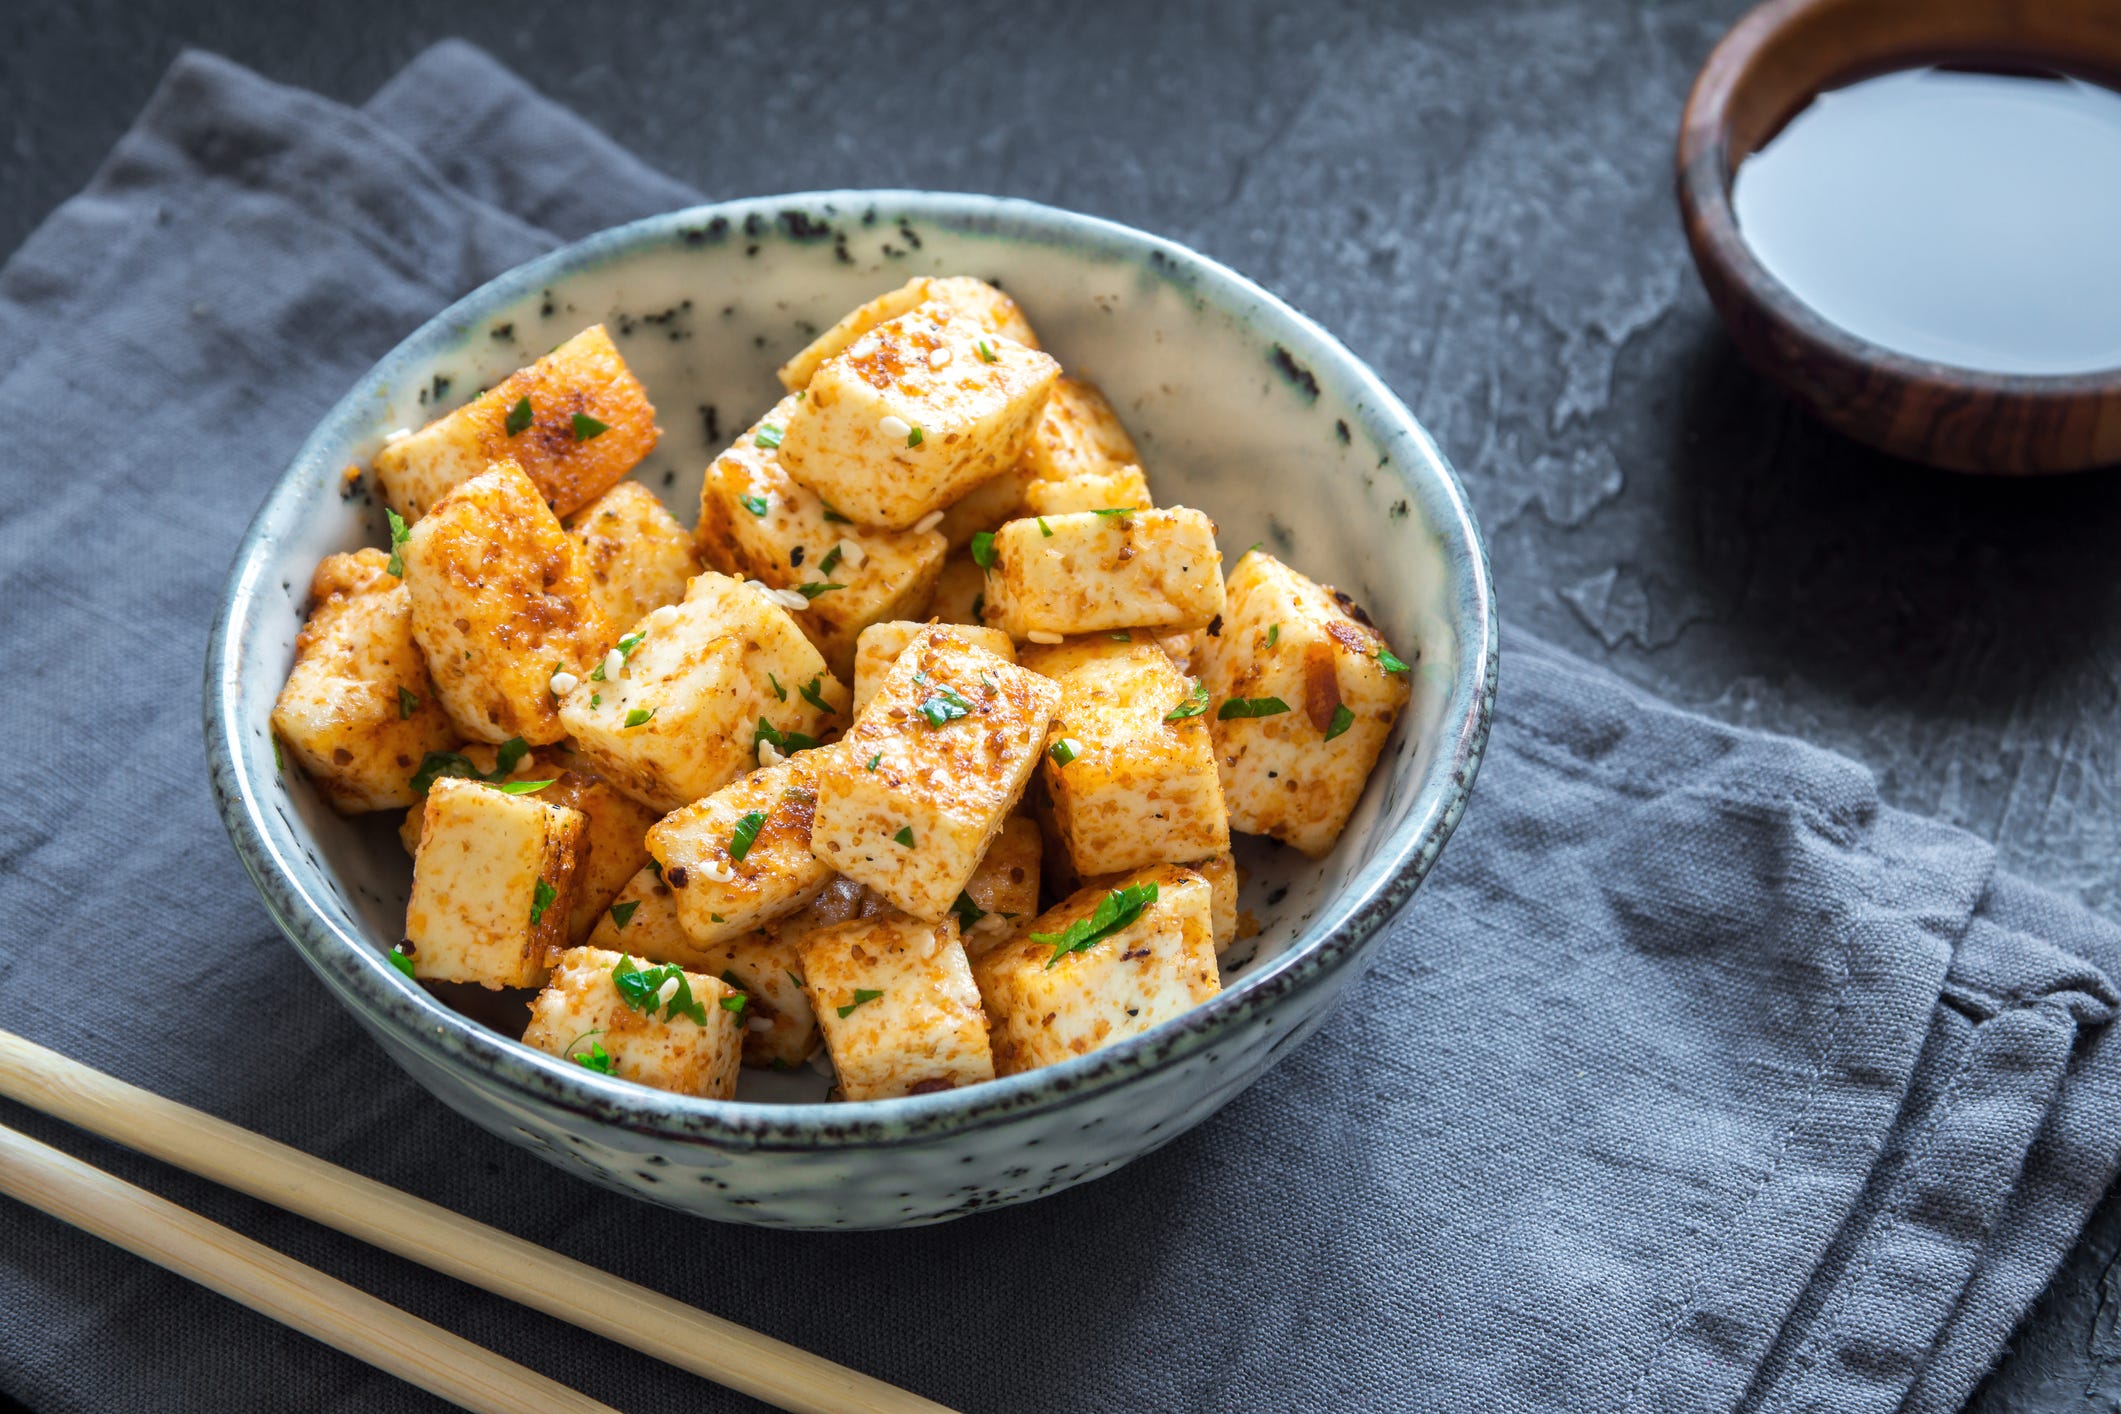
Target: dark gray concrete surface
(1476,197)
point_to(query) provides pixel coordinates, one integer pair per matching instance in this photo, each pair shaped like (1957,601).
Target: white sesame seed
(663,617)
(791,600)
(760,1024)
(668,990)
(769,754)
(614,664)
(894,427)
(853,554)
(928,522)
(564,683)
(822,1064)
(939,358)
(1039,635)
(396,434)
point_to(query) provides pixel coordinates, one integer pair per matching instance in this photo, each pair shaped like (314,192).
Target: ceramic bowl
(1242,407)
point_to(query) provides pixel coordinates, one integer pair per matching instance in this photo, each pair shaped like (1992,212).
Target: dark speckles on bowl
(1123,306)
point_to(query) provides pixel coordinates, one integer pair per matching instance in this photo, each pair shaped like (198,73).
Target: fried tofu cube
(358,709)
(1289,643)
(1220,870)
(1078,433)
(880,644)
(1123,488)
(583,1015)
(912,416)
(1156,961)
(741,856)
(638,558)
(930,770)
(492,885)
(1004,889)
(500,604)
(985,507)
(672,713)
(956,296)
(895,999)
(1130,787)
(643,921)
(961,594)
(766,964)
(1089,573)
(589,423)
(757,522)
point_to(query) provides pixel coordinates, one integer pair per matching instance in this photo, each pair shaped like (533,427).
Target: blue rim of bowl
(385,999)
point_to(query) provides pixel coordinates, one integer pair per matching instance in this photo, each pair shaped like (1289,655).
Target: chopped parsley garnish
(914,438)
(1238,707)
(1342,720)
(407,704)
(1044,529)
(943,706)
(506,758)
(757,505)
(1114,911)
(641,988)
(904,836)
(279,759)
(735,1002)
(811,695)
(1196,703)
(833,515)
(862,996)
(622,913)
(986,351)
(1251,547)
(968,912)
(746,834)
(778,690)
(1121,636)
(400,961)
(518,416)
(769,436)
(979,606)
(832,557)
(795,979)
(639,715)
(1115,510)
(596,699)
(541,899)
(874,759)
(1273,634)
(1388,662)
(625,646)
(586,427)
(787,743)
(596,1058)
(1064,750)
(437,764)
(815,588)
(983,549)
(398,536)
(522,787)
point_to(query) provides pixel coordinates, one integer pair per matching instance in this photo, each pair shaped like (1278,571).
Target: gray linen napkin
(1695,1079)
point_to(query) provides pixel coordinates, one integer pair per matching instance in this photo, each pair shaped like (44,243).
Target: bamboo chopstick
(760,1366)
(262,1279)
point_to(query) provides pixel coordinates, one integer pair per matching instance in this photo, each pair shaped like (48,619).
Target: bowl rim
(399,1010)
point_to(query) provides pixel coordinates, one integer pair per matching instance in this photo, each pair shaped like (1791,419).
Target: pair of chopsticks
(347,1317)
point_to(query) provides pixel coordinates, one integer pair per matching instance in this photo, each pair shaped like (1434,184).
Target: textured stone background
(1476,197)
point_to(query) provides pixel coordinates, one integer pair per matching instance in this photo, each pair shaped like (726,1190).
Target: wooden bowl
(1768,68)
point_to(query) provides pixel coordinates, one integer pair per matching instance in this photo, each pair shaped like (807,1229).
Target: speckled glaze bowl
(1242,407)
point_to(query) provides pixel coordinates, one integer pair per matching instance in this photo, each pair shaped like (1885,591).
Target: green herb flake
(519,416)
(811,695)
(778,691)
(622,913)
(522,787)
(832,515)
(1196,703)
(968,912)
(596,1058)
(943,706)
(1064,750)
(437,764)
(541,899)
(832,557)
(1114,911)
(407,704)
(874,759)
(769,436)
(1122,636)
(586,427)
(787,743)
(399,960)
(816,587)
(1273,634)
(399,534)
(795,979)
(986,351)
(1115,510)
(641,988)
(904,836)
(735,1003)
(983,549)
(1240,707)
(915,438)
(1342,720)
(757,505)
(1390,663)
(596,699)
(862,997)
(746,834)
(639,715)
(279,758)
(1044,529)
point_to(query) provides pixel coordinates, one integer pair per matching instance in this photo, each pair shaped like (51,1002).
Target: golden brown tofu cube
(1118,488)
(671,714)
(678,1037)
(1004,889)
(1303,694)
(956,296)
(961,595)
(1078,433)
(492,885)
(643,921)
(358,710)
(912,416)
(985,507)
(1220,870)
(588,422)
(930,770)
(895,999)
(500,605)
(836,577)
(741,857)
(638,558)
(766,964)
(1089,573)
(880,644)
(1130,786)
(1066,986)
